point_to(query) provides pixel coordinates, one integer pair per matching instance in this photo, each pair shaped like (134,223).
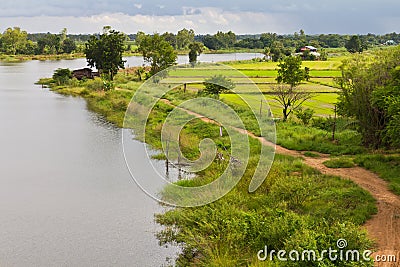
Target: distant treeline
(16,41)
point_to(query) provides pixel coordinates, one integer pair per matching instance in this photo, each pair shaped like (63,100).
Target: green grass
(386,166)
(322,104)
(297,137)
(339,163)
(311,154)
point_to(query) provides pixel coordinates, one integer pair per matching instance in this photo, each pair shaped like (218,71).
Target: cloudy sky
(204,16)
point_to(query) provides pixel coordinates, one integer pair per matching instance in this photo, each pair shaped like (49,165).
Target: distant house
(390,42)
(312,51)
(84,73)
(309,48)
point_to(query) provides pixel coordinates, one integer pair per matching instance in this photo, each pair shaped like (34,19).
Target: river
(66,196)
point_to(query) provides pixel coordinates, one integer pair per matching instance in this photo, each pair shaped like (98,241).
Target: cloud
(206,16)
(205,20)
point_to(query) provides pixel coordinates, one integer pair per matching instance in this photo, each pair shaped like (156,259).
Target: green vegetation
(196,48)
(105,52)
(217,85)
(339,163)
(370,93)
(354,45)
(296,207)
(62,76)
(158,52)
(290,73)
(311,154)
(386,166)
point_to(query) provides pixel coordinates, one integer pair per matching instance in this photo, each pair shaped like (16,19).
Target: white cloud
(207,20)
(138,6)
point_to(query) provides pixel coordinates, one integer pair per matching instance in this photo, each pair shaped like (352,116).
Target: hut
(84,73)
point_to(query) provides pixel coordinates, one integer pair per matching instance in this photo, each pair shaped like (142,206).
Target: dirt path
(384,227)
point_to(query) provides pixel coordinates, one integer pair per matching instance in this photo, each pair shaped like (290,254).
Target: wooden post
(220,130)
(179,154)
(167,154)
(184,87)
(260,107)
(334,126)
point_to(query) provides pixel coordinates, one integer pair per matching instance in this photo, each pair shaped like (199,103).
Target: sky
(203,16)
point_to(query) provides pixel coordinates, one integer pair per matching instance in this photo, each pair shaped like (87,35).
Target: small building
(390,42)
(309,48)
(84,73)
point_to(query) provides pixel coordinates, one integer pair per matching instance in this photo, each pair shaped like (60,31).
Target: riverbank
(17,58)
(296,205)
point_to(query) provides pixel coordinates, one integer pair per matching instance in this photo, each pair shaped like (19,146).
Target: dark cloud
(341,16)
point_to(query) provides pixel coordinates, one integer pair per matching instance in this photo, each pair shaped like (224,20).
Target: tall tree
(290,98)
(291,74)
(353,45)
(170,38)
(49,44)
(158,52)
(290,71)
(196,48)
(277,51)
(184,38)
(105,52)
(13,40)
(68,46)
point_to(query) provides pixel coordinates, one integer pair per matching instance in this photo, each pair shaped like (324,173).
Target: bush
(96,84)
(304,115)
(62,76)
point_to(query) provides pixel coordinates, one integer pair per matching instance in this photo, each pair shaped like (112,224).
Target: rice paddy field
(247,74)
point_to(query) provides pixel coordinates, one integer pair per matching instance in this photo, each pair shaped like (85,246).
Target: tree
(290,98)
(49,44)
(353,45)
(139,37)
(184,38)
(370,93)
(277,51)
(68,46)
(196,48)
(290,71)
(217,85)
(170,38)
(158,52)
(226,40)
(13,40)
(220,40)
(291,74)
(105,52)
(267,53)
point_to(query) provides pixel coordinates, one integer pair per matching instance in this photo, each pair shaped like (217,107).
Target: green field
(263,75)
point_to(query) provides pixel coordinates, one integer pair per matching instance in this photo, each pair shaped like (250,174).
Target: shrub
(62,76)
(304,115)
(96,84)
